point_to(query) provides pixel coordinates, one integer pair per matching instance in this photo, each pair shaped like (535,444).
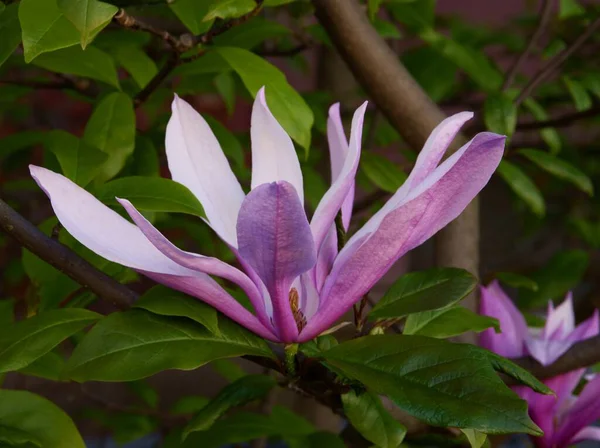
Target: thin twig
(79,86)
(157,80)
(560,121)
(133,23)
(228,24)
(546,13)
(275,52)
(553,64)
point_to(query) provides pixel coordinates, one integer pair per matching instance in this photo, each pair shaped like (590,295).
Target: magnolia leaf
(382,172)
(581,97)
(135,344)
(225,9)
(500,114)
(517,280)
(138,64)
(10,30)
(549,135)
(448,322)
(476,439)
(523,186)
(238,393)
(192,14)
(88,16)
(423,291)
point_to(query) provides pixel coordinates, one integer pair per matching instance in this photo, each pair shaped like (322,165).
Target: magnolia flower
(564,418)
(296,280)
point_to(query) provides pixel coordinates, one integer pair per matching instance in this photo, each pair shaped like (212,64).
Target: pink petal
(585,411)
(333,199)
(560,321)
(338,152)
(273,155)
(431,205)
(275,240)
(511,342)
(589,433)
(199,263)
(197,161)
(326,257)
(542,410)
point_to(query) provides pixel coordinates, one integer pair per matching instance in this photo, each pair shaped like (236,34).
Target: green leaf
(441,383)
(189,404)
(49,366)
(581,97)
(516,372)
(523,186)
(517,280)
(434,73)
(90,63)
(473,62)
(382,172)
(228,369)
(10,30)
(135,344)
(559,168)
(563,272)
(24,341)
(137,63)
(251,33)
(225,85)
(145,392)
(88,16)
(44,423)
(386,29)
(192,13)
(238,393)
(168,302)
(111,129)
(79,161)
(225,9)
(145,160)
(366,413)
(500,114)
(417,16)
(155,194)
(20,141)
(549,135)
(448,322)
(16,438)
(288,107)
(44,28)
(570,8)
(476,439)
(423,291)
(229,143)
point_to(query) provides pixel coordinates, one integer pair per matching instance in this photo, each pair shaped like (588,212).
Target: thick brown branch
(553,64)
(545,16)
(560,121)
(63,258)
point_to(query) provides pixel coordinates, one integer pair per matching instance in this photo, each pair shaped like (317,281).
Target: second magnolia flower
(296,280)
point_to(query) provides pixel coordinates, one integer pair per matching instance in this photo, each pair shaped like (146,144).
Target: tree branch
(554,63)
(63,258)
(541,26)
(560,121)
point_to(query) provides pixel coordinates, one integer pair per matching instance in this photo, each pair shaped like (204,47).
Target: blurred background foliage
(85,88)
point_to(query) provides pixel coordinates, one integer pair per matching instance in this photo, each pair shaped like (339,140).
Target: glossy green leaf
(523,186)
(44,423)
(44,28)
(88,16)
(79,161)
(560,168)
(111,129)
(168,302)
(382,172)
(441,383)
(251,33)
(448,322)
(225,85)
(226,9)
(10,30)
(89,63)
(145,160)
(49,366)
(189,404)
(581,97)
(138,64)
(570,8)
(563,272)
(135,344)
(192,13)
(423,291)
(228,369)
(285,102)
(476,439)
(434,73)
(24,341)
(517,280)
(243,391)
(549,135)
(386,29)
(417,16)
(246,426)
(500,114)
(11,437)
(366,413)
(516,372)
(156,194)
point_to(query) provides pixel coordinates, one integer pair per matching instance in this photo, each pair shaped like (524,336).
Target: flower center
(298,315)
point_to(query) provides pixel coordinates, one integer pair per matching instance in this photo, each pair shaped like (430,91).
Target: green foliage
(581,98)
(517,280)
(500,114)
(523,186)
(10,30)
(448,322)
(242,391)
(135,344)
(366,413)
(26,418)
(382,172)
(424,291)
(410,370)
(226,9)
(88,16)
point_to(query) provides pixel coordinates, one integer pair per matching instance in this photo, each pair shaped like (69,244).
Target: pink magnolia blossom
(564,418)
(296,280)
